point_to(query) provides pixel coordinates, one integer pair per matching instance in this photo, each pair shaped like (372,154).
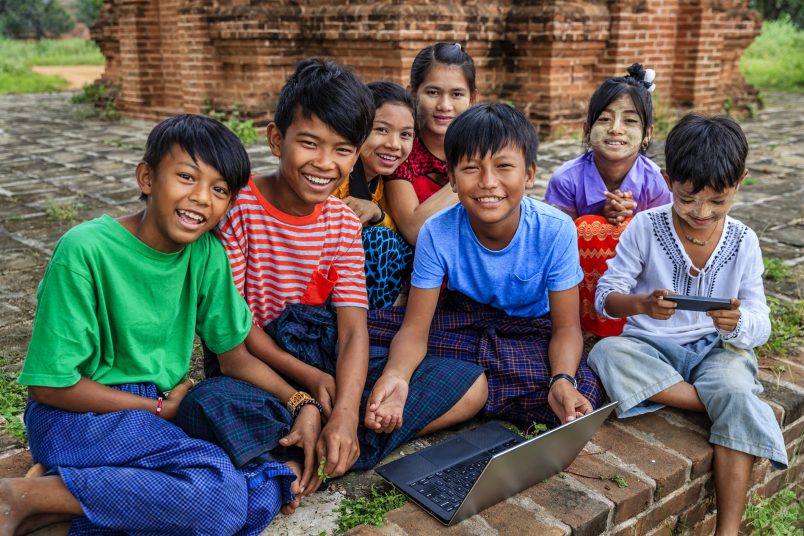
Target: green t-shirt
(116,311)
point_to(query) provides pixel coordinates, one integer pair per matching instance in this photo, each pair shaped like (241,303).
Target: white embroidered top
(650,256)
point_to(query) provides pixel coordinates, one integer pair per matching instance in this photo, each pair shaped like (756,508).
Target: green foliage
(776,269)
(750,181)
(88,11)
(779,515)
(787,325)
(775,60)
(102,99)
(619,480)
(777,9)
(12,403)
(34,19)
(243,128)
(371,511)
(664,117)
(534,429)
(17,57)
(322,474)
(63,212)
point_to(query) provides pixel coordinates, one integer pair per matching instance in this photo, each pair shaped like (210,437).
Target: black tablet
(698,303)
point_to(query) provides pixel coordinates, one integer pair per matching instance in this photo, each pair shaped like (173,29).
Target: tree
(777,9)
(88,11)
(34,18)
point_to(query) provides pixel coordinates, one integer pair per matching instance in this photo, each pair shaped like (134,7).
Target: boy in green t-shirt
(118,309)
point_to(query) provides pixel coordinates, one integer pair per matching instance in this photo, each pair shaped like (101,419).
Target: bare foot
(37,470)
(295,488)
(12,512)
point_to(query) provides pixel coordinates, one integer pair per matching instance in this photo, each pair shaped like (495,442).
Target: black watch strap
(567,377)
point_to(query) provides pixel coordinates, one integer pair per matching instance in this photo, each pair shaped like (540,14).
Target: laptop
(479,468)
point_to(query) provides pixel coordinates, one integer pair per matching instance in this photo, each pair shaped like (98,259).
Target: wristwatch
(298,400)
(567,377)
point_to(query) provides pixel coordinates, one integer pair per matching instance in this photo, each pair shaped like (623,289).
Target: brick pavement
(57,164)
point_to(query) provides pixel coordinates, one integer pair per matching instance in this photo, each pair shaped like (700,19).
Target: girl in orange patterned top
(613,180)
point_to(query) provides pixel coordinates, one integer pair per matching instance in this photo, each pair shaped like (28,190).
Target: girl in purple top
(603,188)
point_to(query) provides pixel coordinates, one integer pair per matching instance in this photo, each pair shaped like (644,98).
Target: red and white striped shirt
(275,256)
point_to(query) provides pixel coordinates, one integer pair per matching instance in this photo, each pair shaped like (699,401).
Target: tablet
(698,303)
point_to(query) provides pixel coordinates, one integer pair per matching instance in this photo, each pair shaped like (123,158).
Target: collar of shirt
(594,186)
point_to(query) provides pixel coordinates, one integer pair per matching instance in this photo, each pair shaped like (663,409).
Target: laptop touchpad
(449,452)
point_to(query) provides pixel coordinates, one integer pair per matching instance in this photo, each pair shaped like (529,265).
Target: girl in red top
(442,83)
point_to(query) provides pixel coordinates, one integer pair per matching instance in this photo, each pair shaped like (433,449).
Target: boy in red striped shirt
(297,257)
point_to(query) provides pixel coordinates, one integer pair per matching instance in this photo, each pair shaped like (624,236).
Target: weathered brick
(596,474)
(509,518)
(667,469)
(669,506)
(577,508)
(535,43)
(414,520)
(686,442)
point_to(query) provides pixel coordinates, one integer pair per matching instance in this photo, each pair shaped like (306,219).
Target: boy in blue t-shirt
(118,309)
(512,272)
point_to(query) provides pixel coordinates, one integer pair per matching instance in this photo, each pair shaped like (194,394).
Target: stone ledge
(665,460)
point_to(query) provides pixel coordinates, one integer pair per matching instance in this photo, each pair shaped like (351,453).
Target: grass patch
(12,403)
(775,60)
(371,511)
(243,128)
(776,269)
(63,212)
(101,97)
(778,515)
(619,480)
(52,52)
(17,58)
(787,319)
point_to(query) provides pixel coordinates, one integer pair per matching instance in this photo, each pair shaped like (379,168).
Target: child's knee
(473,399)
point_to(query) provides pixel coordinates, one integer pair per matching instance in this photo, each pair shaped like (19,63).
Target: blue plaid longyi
(511,350)
(135,473)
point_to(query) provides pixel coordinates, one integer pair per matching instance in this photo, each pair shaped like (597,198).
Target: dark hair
(485,129)
(446,53)
(707,150)
(202,138)
(332,93)
(384,92)
(633,85)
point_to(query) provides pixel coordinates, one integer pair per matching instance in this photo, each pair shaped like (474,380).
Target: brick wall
(546,57)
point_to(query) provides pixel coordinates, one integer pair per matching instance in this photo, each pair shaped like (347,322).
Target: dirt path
(76,75)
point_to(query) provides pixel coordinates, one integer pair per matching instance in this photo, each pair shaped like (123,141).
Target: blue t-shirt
(542,256)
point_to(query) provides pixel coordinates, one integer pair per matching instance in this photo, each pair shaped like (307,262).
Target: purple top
(577,185)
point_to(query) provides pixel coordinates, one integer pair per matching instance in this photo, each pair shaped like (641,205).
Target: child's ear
(145,178)
(274,139)
(530,175)
(473,96)
(452,183)
(586,133)
(740,182)
(411,92)
(667,180)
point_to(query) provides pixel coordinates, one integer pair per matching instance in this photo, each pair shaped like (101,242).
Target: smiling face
(390,141)
(617,133)
(313,161)
(441,97)
(701,211)
(186,198)
(491,188)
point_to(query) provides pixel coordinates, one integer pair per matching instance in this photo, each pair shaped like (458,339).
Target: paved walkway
(60,168)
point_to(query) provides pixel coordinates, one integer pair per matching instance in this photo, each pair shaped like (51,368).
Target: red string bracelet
(159,401)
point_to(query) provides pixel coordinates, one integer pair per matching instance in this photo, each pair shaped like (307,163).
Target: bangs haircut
(202,138)
(486,129)
(614,88)
(446,53)
(333,94)
(707,151)
(388,92)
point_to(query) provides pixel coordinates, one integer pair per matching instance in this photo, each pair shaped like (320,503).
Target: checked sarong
(511,350)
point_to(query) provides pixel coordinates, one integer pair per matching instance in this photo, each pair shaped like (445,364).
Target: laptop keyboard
(448,487)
